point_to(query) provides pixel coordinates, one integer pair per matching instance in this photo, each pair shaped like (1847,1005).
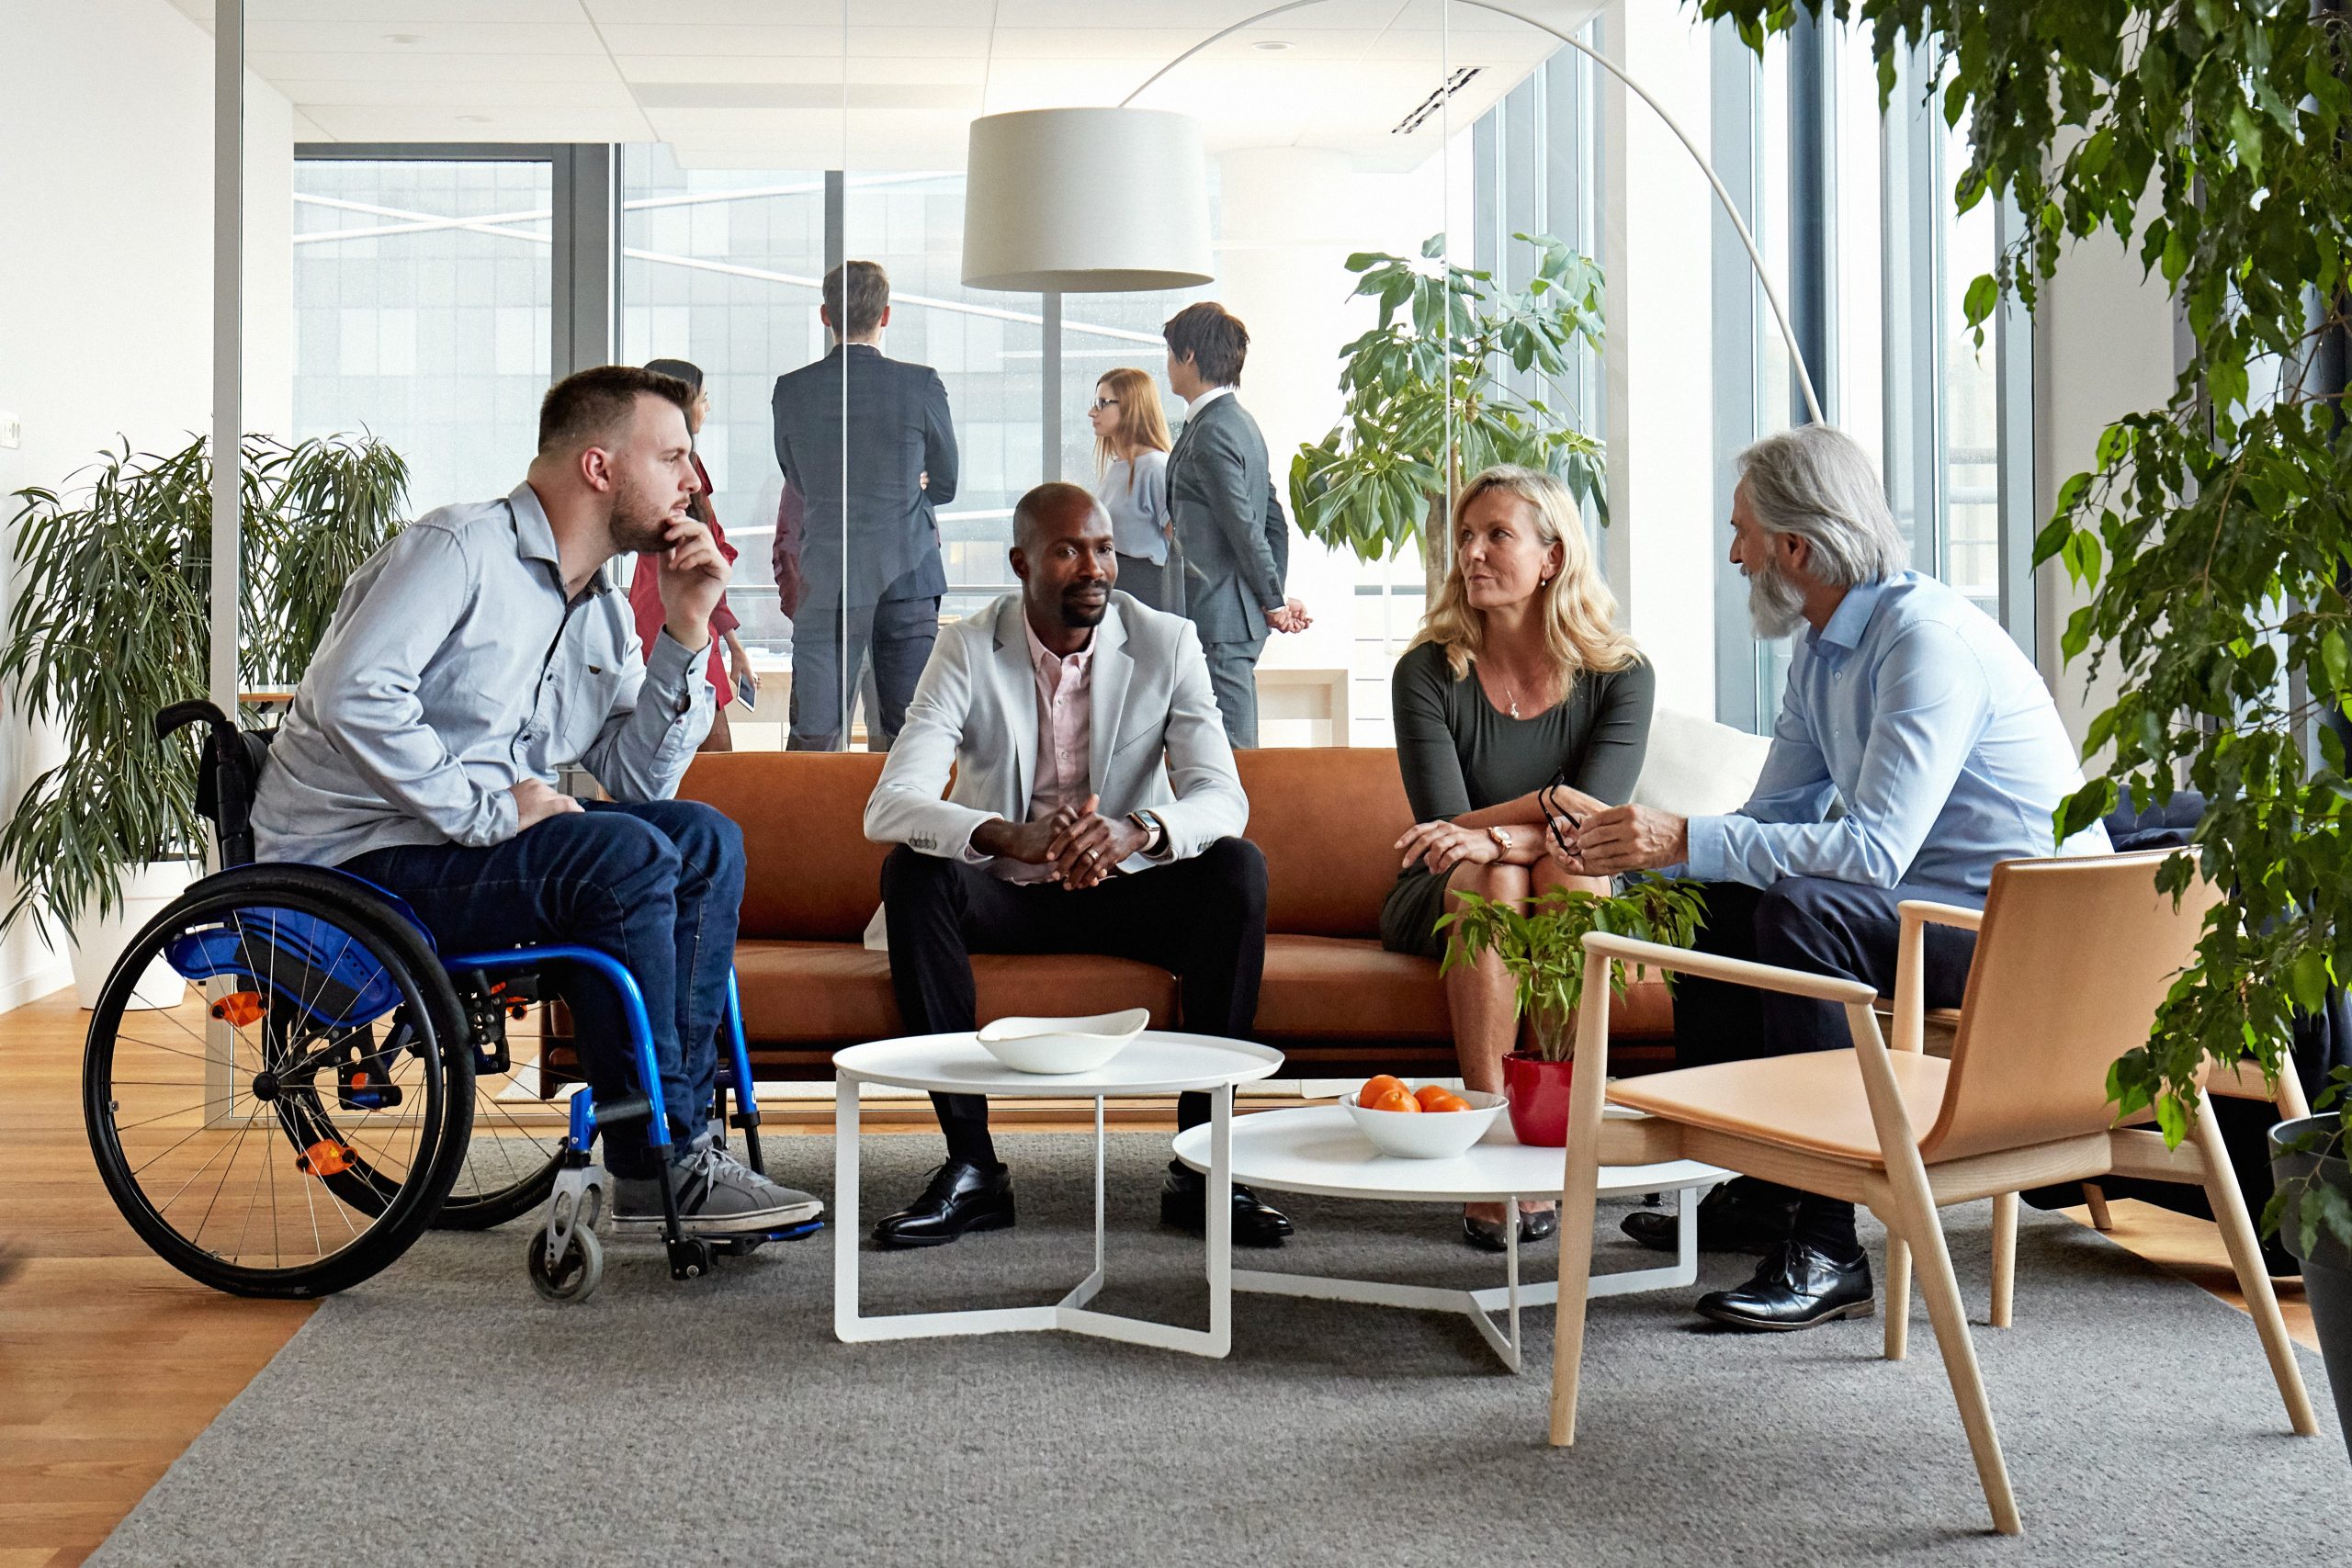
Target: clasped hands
(1622,838)
(1083,846)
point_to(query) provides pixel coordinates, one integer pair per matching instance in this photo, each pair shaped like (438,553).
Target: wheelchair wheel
(509,1165)
(289,1128)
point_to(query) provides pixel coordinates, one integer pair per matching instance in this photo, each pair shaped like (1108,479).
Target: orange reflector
(239,1008)
(325,1159)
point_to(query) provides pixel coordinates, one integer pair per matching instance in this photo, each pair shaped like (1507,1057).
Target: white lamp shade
(1086,201)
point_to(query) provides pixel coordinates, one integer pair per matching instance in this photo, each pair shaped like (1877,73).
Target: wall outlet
(12,433)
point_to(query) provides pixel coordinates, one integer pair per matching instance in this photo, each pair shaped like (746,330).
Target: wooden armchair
(2072,957)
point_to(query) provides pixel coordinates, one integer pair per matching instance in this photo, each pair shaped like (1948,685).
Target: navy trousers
(1821,927)
(658,886)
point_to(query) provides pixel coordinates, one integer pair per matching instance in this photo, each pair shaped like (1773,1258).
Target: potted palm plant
(1542,948)
(1429,397)
(110,624)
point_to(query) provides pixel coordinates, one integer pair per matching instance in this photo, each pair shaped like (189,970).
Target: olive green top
(1459,753)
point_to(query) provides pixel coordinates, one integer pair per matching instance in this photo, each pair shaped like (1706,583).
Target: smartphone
(745,692)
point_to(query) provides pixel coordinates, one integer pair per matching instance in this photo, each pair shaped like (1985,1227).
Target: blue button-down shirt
(1915,710)
(455,667)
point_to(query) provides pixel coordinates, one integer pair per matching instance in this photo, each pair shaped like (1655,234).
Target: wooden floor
(112,1362)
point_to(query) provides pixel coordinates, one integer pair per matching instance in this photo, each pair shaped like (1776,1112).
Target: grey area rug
(442,1414)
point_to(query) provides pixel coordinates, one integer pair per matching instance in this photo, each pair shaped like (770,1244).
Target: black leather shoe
(1487,1235)
(1183,1204)
(1796,1286)
(1738,1217)
(962,1197)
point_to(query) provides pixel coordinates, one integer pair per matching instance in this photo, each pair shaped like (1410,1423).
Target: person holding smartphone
(1519,706)
(741,686)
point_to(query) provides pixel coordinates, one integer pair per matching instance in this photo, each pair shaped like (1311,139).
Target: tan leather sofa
(1333,1001)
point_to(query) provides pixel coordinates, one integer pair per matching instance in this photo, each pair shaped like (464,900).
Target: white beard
(1775,606)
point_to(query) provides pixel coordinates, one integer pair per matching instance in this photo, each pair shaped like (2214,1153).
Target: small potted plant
(2311,1161)
(1542,948)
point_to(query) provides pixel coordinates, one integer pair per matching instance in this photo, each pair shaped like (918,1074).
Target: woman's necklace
(1510,693)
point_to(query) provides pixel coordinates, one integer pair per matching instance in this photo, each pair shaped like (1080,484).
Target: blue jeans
(658,886)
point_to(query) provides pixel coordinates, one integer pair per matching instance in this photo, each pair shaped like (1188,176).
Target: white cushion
(1697,767)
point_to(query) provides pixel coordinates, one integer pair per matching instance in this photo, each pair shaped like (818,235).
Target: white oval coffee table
(1156,1061)
(1317,1150)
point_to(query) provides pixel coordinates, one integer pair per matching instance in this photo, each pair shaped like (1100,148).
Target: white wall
(1658,242)
(2103,348)
(106,272)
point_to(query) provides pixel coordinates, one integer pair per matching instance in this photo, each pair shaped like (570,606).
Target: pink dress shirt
(1065,733)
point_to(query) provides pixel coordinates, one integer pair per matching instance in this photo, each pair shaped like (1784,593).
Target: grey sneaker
(718,1195)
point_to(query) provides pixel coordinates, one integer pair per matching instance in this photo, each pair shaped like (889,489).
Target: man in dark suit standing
(869,568)
(1230,524)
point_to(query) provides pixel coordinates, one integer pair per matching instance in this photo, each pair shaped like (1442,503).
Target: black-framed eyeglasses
(1101,403)
(1558,821)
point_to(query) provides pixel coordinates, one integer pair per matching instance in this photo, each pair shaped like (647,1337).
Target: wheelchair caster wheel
(575,1274)
(690,1257)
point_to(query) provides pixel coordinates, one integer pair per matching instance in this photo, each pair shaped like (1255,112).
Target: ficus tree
(2213,535)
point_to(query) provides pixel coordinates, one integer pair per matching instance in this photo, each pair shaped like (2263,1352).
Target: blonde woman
(1131,456)
(1520,694)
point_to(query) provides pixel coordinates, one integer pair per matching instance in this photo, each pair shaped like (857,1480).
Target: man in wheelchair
(481,649)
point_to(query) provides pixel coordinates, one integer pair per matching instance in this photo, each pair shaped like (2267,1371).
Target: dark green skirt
(1408,919)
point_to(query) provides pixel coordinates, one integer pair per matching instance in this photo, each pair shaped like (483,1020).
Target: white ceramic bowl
(1053,1045)
(1427,1134)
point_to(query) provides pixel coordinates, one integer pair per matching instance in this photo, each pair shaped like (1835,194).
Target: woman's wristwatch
(1501,838)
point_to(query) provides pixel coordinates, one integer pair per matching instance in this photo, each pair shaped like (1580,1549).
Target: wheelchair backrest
(228,773)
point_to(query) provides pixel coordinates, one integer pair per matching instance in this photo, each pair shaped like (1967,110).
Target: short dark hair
(1043,501)
(589,405)
(685,370)
(856,293)
(1214,337)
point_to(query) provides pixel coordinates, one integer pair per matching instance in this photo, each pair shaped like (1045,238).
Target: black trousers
(1204,917)
(1821,927)
(828,646)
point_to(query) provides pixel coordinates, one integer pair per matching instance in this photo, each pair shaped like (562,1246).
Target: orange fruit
(1437,1097)
(1396,1099)
(1373,1087)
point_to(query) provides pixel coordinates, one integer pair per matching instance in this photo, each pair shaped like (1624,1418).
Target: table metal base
(1068,1315)
(1507,1298)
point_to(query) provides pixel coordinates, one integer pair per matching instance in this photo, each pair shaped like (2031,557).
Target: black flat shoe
(1184,1204)
(1487,1235)
(1796,1286)
(1740,1215)
(962,1197)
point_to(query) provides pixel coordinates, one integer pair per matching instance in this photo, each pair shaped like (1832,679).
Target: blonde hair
(1142,422)
(1579,613)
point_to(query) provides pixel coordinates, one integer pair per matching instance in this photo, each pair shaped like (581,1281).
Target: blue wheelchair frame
(232,763)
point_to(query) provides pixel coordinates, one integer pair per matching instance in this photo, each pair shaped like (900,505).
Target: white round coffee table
(1155,1062)
(1317,1150)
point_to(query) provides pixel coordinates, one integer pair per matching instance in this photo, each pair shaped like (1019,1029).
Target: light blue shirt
(1137,498)
(457,666)
(1915,710)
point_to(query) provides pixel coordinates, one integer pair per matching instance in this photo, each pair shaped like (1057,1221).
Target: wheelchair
(341,1086)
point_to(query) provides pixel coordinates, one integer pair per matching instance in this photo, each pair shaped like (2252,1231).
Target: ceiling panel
(575,37)
(526,11)
(788,12)
(812,42)
(362,123)
(615,95)
(944,71)
(406,65)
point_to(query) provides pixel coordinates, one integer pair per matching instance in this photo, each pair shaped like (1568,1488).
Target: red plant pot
(1538,1093)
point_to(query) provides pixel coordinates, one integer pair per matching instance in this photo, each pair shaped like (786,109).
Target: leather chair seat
(1813,1101)
(801,992)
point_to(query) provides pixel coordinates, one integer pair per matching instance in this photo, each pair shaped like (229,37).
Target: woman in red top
(644,584)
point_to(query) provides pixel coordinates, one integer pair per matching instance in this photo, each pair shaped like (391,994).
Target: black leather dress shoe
(1738,1217)
(962,1197)
(1796,1286)
(1487,1235)
(1184,1203)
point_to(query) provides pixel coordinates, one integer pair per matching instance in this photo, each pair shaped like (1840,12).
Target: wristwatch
(1154,832)
(1501,838)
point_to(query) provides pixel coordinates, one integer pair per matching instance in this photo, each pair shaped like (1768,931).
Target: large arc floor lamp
(1055,202)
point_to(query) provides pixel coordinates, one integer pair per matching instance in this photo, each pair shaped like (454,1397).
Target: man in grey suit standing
(868,546)
(1228,521)
(1094,809)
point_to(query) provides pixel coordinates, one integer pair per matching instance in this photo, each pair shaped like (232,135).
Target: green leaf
(1983,295)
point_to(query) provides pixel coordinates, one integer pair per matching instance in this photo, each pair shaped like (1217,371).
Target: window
(424,313)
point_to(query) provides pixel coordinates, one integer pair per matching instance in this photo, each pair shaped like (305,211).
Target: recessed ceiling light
(1273,45)
(404,37)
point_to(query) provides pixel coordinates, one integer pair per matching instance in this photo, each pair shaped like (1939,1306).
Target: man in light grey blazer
(1094,809)
(1227,518)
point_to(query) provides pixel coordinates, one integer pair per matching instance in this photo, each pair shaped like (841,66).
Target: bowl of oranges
(1429,1123)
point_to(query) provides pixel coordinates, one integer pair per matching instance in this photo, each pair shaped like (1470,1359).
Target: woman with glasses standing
(644,583)
(1131,454)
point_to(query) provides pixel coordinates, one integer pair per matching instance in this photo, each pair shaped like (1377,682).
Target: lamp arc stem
(1722,196)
